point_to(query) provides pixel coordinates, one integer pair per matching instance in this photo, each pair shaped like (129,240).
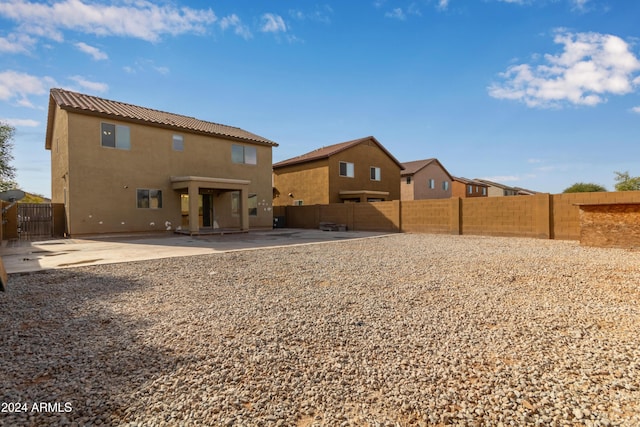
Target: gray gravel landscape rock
(402,330)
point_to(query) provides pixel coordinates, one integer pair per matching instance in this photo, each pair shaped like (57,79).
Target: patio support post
(244,208)
(194,226)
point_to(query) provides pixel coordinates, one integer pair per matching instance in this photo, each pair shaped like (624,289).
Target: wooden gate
(35,220)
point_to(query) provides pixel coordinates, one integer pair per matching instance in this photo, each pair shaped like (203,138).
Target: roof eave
(163,125)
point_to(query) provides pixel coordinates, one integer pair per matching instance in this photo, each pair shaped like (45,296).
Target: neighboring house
(524,191)
(425,179)
(123,168)
(496,189)
(361,170)
(464,187)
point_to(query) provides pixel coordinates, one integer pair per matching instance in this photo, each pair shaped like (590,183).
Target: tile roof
(468,181)
(494,184)
(411,168)
(87,104)
(325,152)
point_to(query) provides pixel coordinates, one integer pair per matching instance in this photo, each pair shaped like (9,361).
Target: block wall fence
(545,216)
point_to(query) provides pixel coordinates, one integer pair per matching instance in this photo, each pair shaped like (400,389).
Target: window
(244,154)
(484,191)
(375,173)
(252,204)
(149,199)
(408,180)
(178,143)
(297,203)
(445,185)
(432,184)
(115,136)
(346,169)
(470,189)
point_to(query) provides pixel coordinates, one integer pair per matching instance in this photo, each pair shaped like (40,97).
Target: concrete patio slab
(22,257)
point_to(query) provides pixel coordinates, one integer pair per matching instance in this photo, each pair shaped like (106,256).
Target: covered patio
(194,186)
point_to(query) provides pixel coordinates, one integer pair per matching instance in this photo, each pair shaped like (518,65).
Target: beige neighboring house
(425,179)
(496,189)
(361,170)
(121,168)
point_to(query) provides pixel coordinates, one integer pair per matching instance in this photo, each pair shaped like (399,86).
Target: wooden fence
(30,221)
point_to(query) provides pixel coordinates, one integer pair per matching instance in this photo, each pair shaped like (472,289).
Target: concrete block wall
(376,216)
(566,214)
(503,216)
(429,216)
(540,216)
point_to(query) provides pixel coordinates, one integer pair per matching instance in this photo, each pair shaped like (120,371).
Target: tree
(7,172)
(584,187)
(626,182)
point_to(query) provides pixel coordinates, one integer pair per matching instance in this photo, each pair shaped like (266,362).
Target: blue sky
(537,94)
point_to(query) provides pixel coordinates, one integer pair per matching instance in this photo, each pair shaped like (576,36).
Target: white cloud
(88,84)
(140,19)
(636,109)
(16,43)
(396,13)
(142,65)
(17,87)
(233,21)
(94,52)
(591,66)
(273,23)
(443,4)
(320,14)
(27,123)
(579,4)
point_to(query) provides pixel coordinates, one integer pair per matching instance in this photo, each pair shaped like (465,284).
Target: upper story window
(408,180)
(149,199)
(470,189)
(244,154)
(484,191)
(178,143)
(375,173)
(432,183)
(347,169)
(115,136)
(445,185)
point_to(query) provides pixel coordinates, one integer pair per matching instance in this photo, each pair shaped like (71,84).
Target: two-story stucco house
(465,187)
(425,179)
(361,170)
(120,168)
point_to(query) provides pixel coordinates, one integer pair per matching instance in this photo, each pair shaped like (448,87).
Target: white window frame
(349,169)
(151,193)
(445,185)
(121,137)
(178,143)
(375,173)
(432,183)
(244,154)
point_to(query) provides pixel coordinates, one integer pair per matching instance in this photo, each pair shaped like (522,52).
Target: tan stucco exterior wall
(308,182)
(364,156)
(319,181)
(102,182)
(420,183)
(407,189)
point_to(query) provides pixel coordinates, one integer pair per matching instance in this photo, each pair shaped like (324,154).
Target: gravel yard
(402,330)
